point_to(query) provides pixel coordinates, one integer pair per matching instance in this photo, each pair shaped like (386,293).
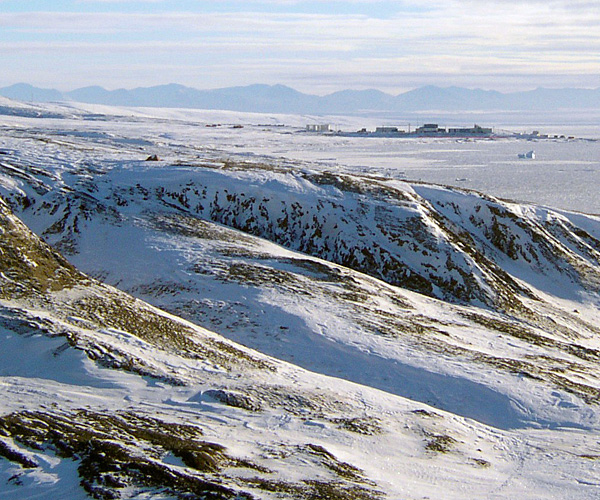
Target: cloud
(119,1)
(451,40)
(151,47)
(526,29)
(524,19)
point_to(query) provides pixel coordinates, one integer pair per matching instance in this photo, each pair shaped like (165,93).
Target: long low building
(475,130)
(433,129)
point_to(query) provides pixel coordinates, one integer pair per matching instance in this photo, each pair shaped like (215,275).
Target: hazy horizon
(314,47)
(309,92)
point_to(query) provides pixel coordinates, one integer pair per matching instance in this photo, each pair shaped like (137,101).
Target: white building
(318,128)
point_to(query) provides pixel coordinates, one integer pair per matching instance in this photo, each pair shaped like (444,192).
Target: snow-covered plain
(565,173)
(482,386)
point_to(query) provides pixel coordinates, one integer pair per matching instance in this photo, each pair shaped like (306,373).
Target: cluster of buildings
(427,130)
(434,130)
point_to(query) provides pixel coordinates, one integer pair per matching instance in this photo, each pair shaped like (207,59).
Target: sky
(316,47)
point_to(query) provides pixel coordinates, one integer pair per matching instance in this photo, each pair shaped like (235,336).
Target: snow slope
(96,401)
(382,299)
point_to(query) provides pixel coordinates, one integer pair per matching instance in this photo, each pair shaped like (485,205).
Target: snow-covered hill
(383,337)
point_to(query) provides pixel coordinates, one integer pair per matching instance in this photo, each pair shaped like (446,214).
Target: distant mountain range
(282,99)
